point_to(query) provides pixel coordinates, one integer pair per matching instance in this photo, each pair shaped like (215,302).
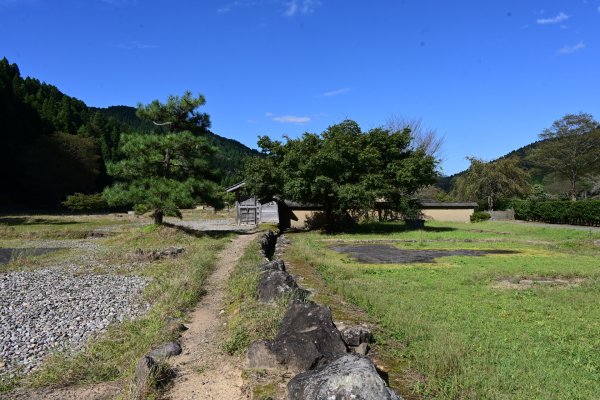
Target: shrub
(479,216)
(85,202)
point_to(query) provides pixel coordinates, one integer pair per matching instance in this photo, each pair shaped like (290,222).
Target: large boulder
(350,377)
(274,283)
(306,339)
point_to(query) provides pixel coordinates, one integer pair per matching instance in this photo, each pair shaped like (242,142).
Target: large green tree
(491,181)
(342,169)
(164,172)
(571,149)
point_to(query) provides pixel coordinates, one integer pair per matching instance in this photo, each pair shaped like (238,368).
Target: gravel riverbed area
(59,309)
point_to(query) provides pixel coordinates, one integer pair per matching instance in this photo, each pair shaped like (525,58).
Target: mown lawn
(461,336)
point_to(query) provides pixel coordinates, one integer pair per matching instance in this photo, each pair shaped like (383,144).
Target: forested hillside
(542,174)
(54,145)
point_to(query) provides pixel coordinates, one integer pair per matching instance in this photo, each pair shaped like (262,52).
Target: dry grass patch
(530,282)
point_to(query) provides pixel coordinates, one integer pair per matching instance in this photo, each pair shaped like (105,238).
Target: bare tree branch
(423,137)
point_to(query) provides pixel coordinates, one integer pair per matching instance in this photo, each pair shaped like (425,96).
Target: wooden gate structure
(250,211)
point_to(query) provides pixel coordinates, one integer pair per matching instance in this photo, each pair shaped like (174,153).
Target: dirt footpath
(203,371)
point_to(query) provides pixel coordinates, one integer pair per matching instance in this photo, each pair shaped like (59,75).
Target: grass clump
(459,335)
(249,319)
(266,391)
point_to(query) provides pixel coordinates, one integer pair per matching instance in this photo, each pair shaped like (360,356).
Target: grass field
(451,331)
(175,285)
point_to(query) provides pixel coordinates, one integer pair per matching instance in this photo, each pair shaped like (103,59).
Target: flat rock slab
(8,255)
(350,377)
(384,254)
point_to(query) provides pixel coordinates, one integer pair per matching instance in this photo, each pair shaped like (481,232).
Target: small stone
(362,348)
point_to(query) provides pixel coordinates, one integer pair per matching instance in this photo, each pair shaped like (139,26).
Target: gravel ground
(61,306)
(84,244)
(226,224)
(57,309)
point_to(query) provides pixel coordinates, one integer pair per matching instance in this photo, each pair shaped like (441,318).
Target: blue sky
(489,76)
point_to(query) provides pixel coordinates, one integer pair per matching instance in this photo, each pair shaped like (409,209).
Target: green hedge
(583,212)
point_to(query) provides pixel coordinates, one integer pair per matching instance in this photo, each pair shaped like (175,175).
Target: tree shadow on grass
(18,221)
(213,234)
(9,255)
(387,227)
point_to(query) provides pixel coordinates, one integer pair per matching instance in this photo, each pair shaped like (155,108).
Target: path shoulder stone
(166,350)
(350,377)
(307,338)
(173,326)
(149,373)
(146,366)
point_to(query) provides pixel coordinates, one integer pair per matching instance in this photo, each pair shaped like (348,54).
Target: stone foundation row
(329,361)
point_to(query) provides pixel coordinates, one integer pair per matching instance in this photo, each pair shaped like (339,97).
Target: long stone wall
(329,362)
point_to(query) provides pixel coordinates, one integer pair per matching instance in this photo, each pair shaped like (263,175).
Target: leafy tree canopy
(491,181)
(571,149)
(342,169)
